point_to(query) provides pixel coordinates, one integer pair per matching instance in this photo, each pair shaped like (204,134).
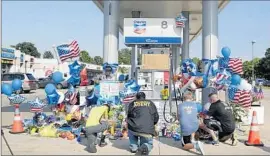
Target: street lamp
(253,78)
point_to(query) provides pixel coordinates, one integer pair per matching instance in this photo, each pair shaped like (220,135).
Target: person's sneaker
(102,144)
(144,150)
(215,143)
(199,147)
(91,149)
(133,151)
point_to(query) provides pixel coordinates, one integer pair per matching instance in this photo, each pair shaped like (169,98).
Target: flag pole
(57,56)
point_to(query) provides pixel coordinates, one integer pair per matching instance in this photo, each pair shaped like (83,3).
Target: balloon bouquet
(16,100)
(239,90)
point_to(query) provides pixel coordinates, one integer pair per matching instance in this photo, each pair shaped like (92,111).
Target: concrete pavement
(24,144)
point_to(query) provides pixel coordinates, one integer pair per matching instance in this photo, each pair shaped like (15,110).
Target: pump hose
(176,103)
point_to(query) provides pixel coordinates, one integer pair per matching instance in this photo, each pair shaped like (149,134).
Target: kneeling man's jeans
(134,141)
(91,133)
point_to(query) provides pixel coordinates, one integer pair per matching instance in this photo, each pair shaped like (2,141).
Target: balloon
(57,77)
(61,98)
(231,92)
(6,89)
(244,85)
(121,77)
(226,52)
(49,89)
(188,66)
(16,84)
(236,79)
(53,98)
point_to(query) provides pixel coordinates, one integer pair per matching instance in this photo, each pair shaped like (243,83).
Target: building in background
(7,59)
(15,61)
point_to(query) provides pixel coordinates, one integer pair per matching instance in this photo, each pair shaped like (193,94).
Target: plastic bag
(48,131)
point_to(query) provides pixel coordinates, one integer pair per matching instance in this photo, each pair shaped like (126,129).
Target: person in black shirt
(142,118)
(219,112)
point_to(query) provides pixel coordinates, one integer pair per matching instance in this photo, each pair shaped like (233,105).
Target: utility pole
(253,76)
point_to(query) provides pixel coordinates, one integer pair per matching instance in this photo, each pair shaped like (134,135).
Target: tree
(196,60)
(124,56)
(123,70)
(48,55)
(84,57)
(247,68)
(98,60)
(28,48)
(263,67)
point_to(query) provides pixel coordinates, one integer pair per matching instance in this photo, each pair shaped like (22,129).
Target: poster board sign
(152,31)
(155,62)
(109,88)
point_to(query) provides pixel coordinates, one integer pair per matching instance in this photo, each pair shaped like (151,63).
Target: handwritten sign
(109,88)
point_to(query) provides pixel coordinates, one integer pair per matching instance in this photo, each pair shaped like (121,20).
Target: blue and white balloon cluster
(191,78)
(74,71)
(131,88)
(113,67)
(8,89)
(54,97)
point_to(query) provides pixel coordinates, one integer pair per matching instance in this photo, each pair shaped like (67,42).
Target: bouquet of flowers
(239,113)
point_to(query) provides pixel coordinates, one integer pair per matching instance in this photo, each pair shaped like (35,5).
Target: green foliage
(124,56)
(263,67)
(48,55)
(28,48)
(98,60)
(123,70)
(84,57)
(247,68)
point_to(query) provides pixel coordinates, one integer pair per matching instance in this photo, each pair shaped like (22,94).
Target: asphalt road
(40,93)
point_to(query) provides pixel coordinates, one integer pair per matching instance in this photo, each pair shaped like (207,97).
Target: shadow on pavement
(264,148)
(172,143)
(122,144)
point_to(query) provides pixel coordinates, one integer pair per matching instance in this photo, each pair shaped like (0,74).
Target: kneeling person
(142,118)
(97,122)
(189,122)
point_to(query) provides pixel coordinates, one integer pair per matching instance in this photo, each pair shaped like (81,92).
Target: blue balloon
(6,89)
(53,98)
(57,77)
(16,84)
(121,77)
(226,52)
(50,89)
(236,79)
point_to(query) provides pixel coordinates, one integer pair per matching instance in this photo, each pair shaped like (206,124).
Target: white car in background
(28,81)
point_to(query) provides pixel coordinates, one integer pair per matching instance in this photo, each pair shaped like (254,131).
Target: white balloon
(193,86)
(244,85)
(62,97)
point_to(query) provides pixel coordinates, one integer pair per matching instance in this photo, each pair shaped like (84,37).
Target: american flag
(243,98)
(128,99)
(261,93)
(258,94)
(236,65)
(67,51)
(180,23)
(220,81)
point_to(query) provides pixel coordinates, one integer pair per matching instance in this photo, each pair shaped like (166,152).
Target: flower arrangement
(239,112)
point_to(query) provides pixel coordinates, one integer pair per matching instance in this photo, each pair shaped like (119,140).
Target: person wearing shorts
(189,123)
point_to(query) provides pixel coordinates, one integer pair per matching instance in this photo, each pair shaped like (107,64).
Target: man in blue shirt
(189,123)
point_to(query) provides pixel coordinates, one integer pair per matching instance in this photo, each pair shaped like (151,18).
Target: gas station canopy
(164,9)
